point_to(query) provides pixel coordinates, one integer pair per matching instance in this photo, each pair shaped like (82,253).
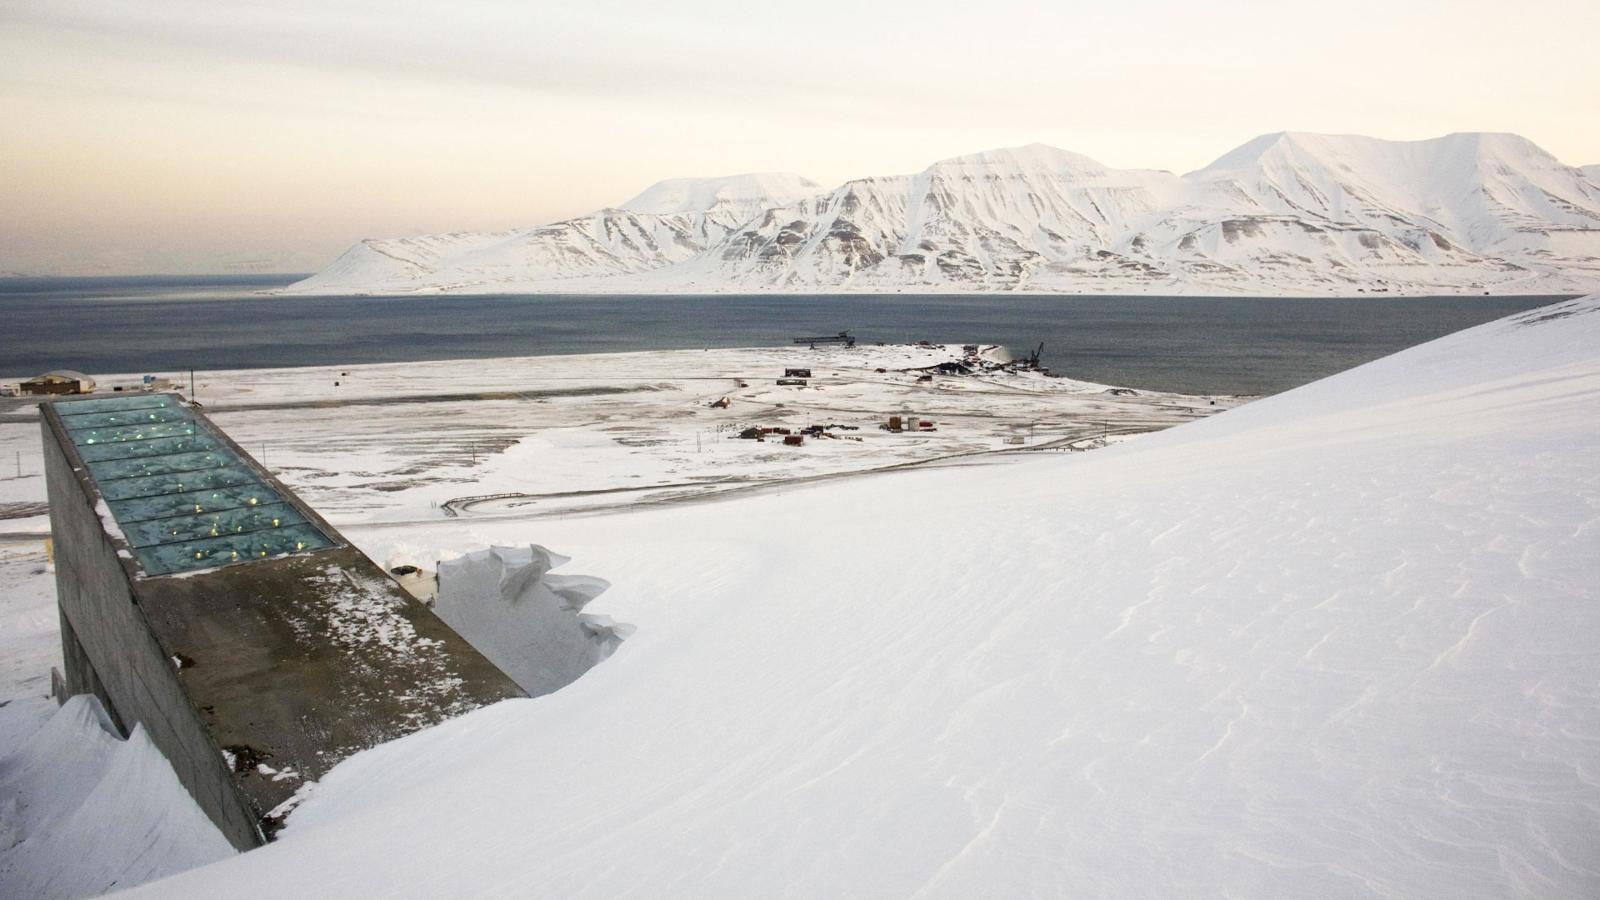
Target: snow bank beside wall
(87,812)
(526,621)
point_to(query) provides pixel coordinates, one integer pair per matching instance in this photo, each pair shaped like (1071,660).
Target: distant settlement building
(61,381)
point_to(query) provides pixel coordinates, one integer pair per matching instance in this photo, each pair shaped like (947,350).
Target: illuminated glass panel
(117,404)
(163,506)
(162,559)
(182,496)
(85,437)
(141,416)
(162,446)
(126,488)
(173,464)
(228,522)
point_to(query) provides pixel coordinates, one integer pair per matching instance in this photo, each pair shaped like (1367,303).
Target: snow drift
(89,812)
(1285,213)
(527,622)
(1336,643)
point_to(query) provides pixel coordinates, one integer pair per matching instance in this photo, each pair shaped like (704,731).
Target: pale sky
(213,136)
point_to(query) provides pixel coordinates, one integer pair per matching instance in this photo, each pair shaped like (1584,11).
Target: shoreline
(1163,291)
(1537,285)
(1213,345)
(577,434)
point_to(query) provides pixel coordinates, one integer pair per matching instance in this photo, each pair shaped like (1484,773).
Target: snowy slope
(988,220)
(1335,643)
(1285,213)
(1445,208)
(743,196)
(668,223)
(89,812)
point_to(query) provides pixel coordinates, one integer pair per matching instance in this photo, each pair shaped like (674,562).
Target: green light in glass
(115,404)
(86,437)
(241,520)
(182,496)
(189,503)
(164,559)
(164,446)
(144,416)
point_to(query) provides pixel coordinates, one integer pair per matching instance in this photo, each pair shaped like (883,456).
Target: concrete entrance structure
(201,600)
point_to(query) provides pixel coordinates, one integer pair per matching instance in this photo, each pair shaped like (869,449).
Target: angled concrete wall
(256,677)
(110,650)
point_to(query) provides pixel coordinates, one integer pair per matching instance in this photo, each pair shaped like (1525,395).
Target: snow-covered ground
(86,812)
(506,438)
(1338,642)
(82,812)
(551,435)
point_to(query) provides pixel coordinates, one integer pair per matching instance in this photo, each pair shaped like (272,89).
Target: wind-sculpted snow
(1284,214)
(1335,643)
(528,622)
(87,812)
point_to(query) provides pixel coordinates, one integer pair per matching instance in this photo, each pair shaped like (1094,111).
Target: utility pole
(191,385)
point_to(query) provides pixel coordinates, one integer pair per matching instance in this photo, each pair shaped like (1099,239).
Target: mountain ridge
(1286,213)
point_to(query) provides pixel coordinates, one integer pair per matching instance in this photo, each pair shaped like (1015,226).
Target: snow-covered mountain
(739,197)
(667,224)
(1285,213)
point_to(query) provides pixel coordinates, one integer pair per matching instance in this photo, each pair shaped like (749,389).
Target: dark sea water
(165,325)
